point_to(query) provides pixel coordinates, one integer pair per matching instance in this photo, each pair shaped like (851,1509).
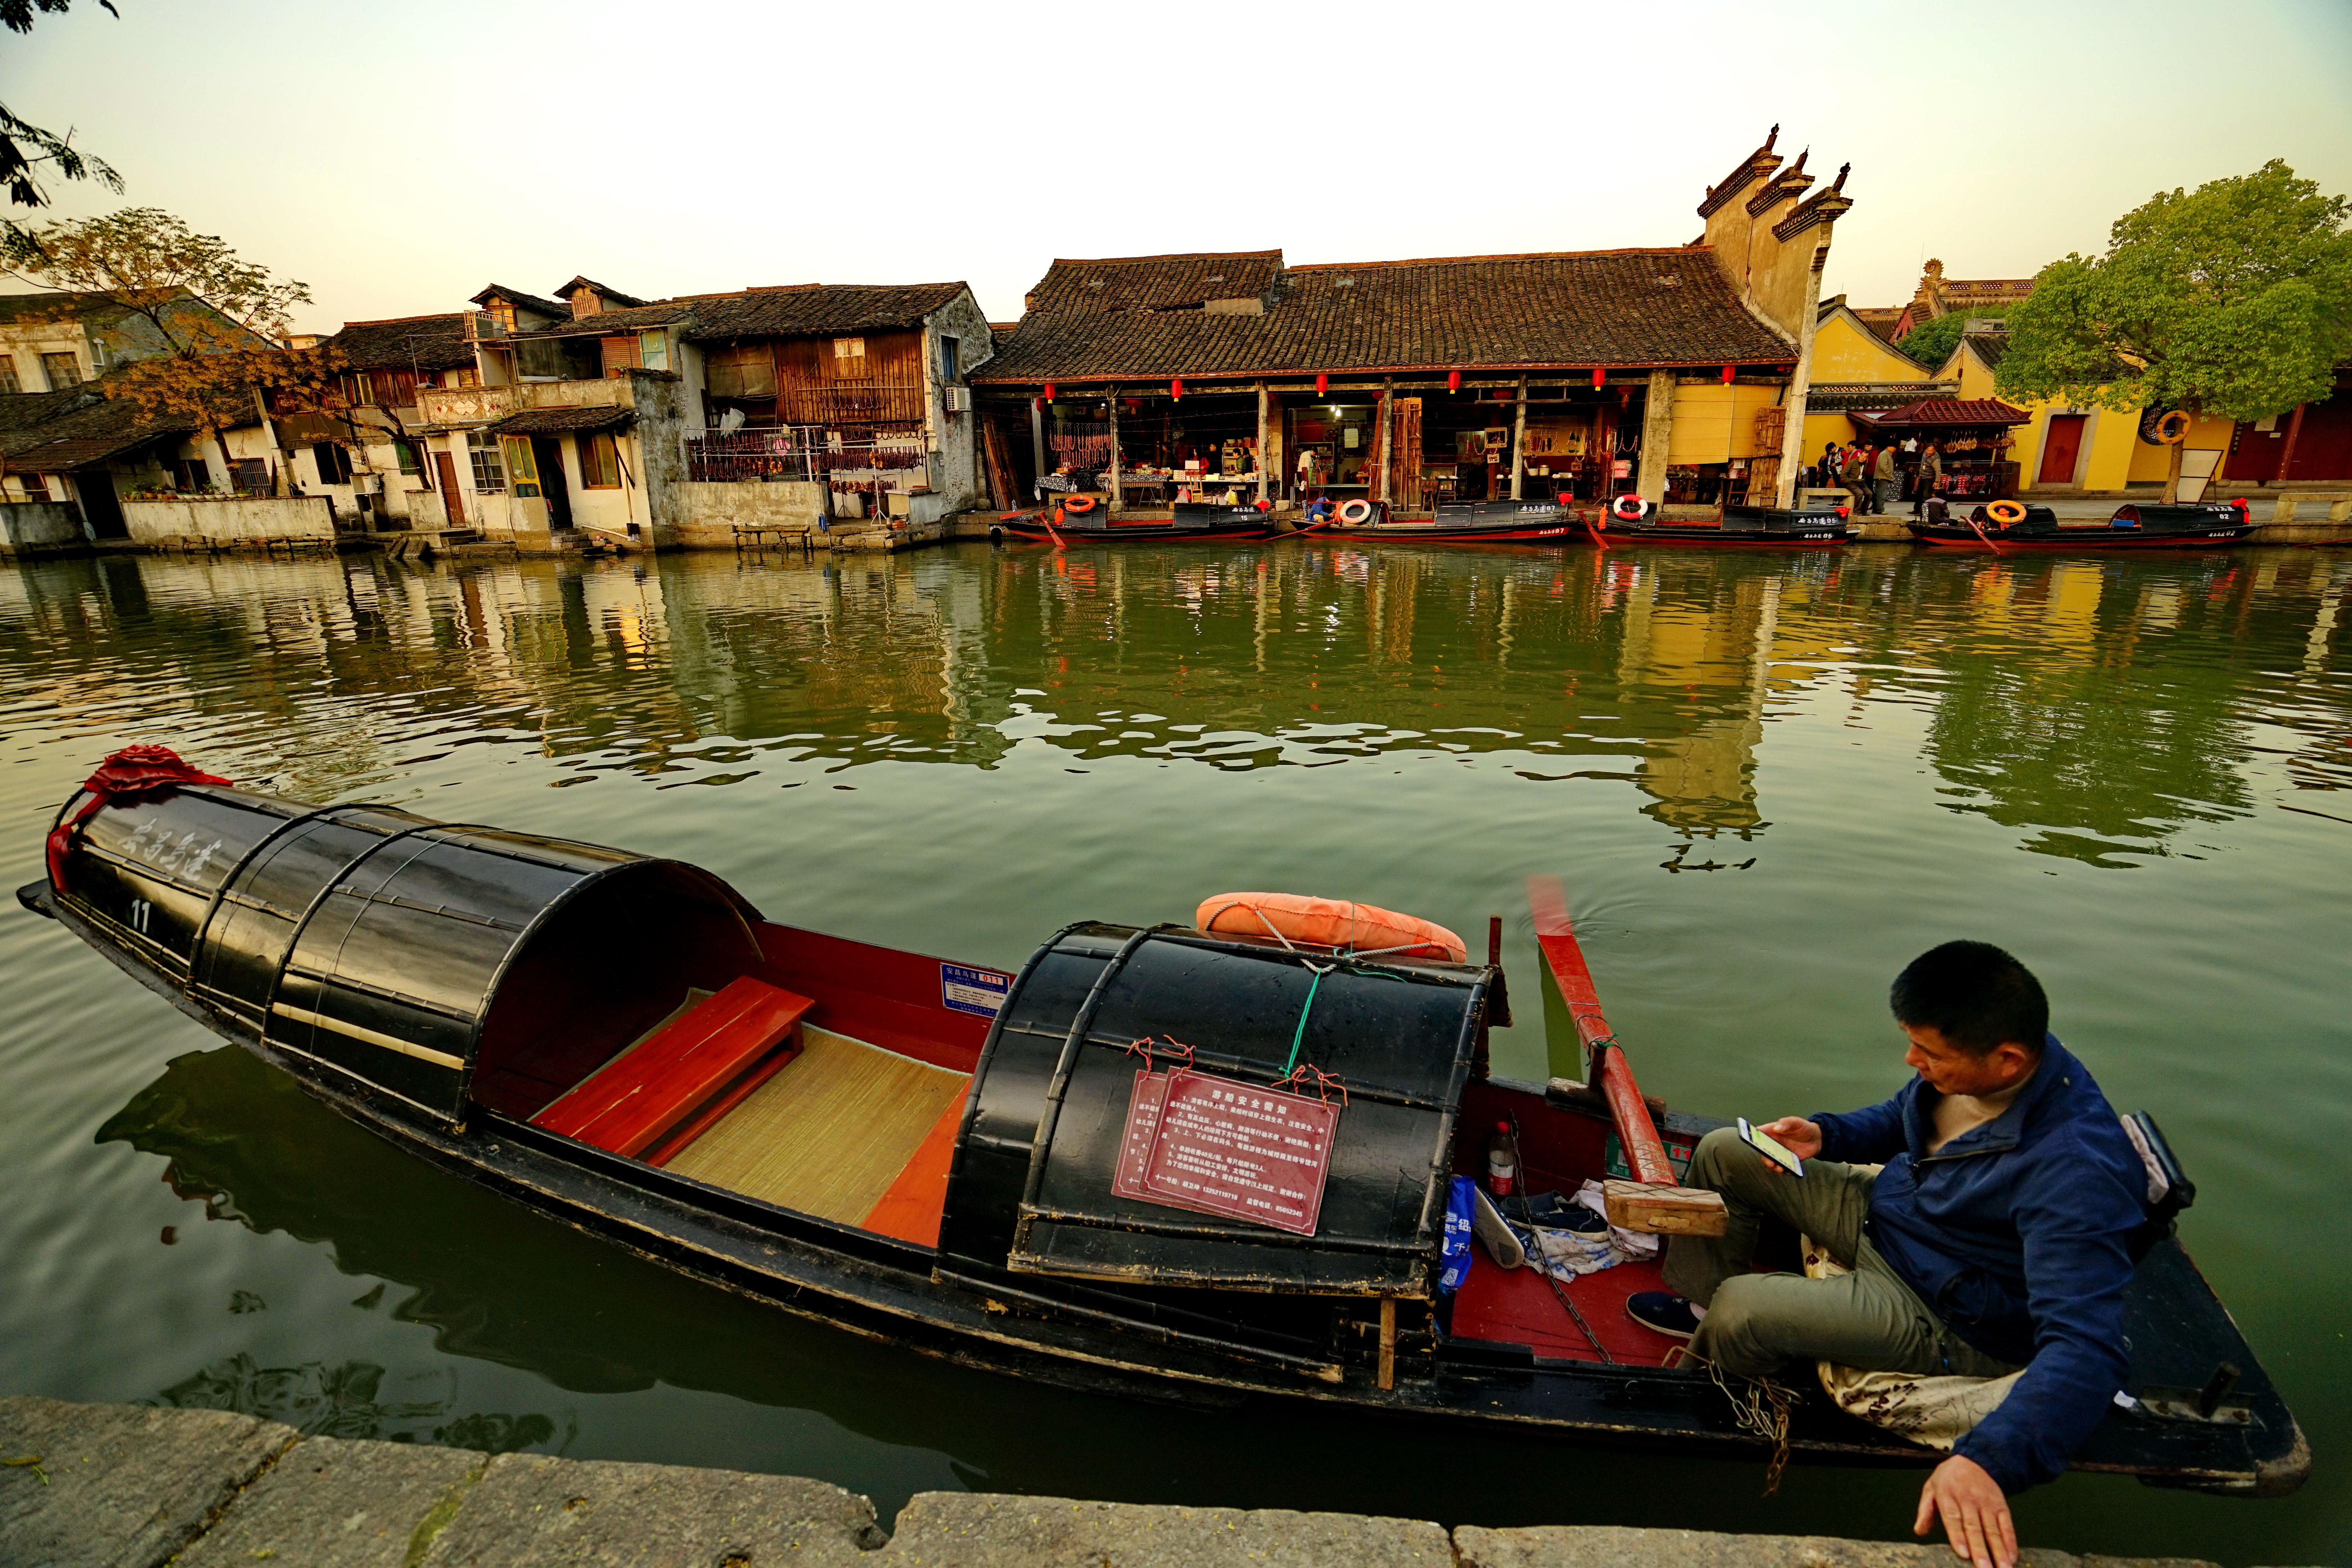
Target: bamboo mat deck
(829,1134)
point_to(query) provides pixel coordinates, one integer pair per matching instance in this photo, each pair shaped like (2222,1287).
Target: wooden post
(1379,488)
(1651,1202)
(1388,1342)
(1657,435)
(1519,440)
(1037,440)
(1261,440)
(2286,451)
(1117,499)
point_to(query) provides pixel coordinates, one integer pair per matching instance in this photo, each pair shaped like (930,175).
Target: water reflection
(2096,707)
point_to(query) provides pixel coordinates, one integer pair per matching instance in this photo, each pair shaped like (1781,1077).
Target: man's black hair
(1975,996)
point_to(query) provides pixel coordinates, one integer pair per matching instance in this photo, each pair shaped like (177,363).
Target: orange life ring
(1328,922)
(1629,509)
(2006,512)
(1356,513)
(1081,505)
(2167,433)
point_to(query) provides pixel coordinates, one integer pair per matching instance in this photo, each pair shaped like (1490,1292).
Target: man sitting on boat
(1995,1234)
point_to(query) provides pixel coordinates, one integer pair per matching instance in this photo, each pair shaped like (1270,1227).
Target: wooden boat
(1750,527)
(1473,522)
(2138,525)
(949,1158)
(1186,521)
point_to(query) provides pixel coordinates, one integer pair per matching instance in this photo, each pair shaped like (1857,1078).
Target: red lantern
(1453,380)
(1049,392)
(1727,376)
(1596,378)
(1176,386)
(1322,383)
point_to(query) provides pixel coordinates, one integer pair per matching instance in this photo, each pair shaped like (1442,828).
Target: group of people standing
(1872,476)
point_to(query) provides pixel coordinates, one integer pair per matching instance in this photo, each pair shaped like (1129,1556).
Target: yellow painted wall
(1715,423)
(2116,457)
(1822,428)
(1845,350)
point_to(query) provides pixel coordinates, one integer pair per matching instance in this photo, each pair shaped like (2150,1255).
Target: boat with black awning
(1033,1172)
(1747,526)
(2136,525)
(1098,524)
(1470,522)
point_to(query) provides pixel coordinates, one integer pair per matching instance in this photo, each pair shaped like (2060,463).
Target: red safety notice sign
(1217,1146)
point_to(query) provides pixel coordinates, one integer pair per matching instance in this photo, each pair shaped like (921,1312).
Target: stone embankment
(115,1486)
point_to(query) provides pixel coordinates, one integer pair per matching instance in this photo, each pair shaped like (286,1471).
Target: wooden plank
(1645,1154)
(1665,1211)
(633,1101)
(1388,1342)
(918,1198)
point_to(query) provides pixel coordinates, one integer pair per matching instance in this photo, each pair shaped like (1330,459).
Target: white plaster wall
(705,516)
(954,437)
(28,340)
(242,522)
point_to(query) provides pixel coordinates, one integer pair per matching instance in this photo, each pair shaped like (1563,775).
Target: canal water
(1768,780)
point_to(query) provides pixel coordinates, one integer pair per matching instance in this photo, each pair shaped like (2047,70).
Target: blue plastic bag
(1453,1251)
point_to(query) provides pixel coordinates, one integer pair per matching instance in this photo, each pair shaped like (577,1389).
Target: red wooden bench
(657,1098)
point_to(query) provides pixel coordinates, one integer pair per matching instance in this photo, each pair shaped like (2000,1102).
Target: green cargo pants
(1756,1323)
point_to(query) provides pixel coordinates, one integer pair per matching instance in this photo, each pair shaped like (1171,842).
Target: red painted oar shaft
(1646,1155)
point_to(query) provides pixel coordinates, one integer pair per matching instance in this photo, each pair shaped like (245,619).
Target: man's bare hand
(1974,1510)
(1800,1137)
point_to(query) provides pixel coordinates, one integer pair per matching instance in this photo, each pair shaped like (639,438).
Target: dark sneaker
(1663,1312)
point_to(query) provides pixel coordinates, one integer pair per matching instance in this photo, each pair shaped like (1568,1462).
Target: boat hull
(1712,538)
(1959,536)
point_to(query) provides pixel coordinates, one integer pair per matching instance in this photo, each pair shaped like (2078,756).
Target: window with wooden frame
(653,350)
(741,370)
(503,315)
(410,464)
(334,463)
(190,473)
(846,349)
(8,372)
(600,461)
(622,356)
(62,371)
(490,474)
(522,468)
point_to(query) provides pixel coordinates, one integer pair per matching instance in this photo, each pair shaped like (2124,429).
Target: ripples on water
(2136,773)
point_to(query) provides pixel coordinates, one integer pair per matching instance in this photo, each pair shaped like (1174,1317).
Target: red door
(453,507)
(2060,444)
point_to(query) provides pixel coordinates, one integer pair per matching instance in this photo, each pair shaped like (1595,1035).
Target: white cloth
(1937,1412)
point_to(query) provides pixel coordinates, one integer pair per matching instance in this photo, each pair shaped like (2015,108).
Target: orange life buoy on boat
(1629,509)
(2168,434)
(1328,922)
(1081,505)
(1356,513)
(2006,512)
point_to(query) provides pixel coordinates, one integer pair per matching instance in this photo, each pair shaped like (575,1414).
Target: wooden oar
(1652,1201)
(1971,520)
(1592,530)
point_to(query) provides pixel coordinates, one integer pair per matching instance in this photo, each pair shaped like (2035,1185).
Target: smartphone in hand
(1772,1148)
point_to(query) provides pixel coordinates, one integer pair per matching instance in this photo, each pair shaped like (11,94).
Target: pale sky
(398,157)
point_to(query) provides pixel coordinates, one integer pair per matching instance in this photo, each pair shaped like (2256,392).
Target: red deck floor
(1515,1307)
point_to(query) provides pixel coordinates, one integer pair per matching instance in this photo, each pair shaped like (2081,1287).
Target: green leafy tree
(26,149)
(214,321)
(2234,300)
(1932,343)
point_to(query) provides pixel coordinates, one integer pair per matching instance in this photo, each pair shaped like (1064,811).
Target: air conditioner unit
(958,399)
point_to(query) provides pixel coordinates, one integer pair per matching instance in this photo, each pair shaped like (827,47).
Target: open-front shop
(1971,441)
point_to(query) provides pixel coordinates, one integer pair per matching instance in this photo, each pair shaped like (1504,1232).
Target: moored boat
(1186,521)
(2138,525)
(1020,1172)
(1748,527)
(1470,522)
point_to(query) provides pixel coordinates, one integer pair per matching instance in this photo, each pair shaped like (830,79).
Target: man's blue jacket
(2018,1233)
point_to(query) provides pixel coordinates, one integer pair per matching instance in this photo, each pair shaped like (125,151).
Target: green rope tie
(1299,1036)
